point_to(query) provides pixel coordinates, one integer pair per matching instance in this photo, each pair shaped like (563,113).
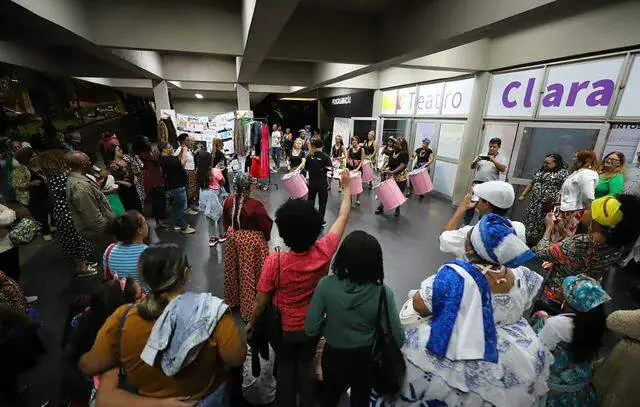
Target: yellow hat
(606,211)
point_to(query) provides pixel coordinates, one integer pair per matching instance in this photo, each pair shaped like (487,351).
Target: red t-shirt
(299,275)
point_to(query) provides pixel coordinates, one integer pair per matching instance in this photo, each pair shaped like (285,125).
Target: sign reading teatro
(434,99)
(582,89)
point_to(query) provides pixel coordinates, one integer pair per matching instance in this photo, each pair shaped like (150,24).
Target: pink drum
(389,194)
(367,171)
(420,181)
(356,182)
(295,185)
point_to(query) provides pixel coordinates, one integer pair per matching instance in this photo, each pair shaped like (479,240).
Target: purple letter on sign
(554,97)
(505,94)
(573,92)
(527,95)
(603,95)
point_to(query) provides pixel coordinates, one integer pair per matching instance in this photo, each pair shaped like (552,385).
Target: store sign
(630,102)
(576,90)
(345,100)
(514,94)
(436,99)
(582,89)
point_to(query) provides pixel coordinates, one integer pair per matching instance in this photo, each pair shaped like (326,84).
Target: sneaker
(379,211)
(324,223)
(189,230)
(87,273)
(176,228)
(31,299)
(357,202)
(191,212)
(222,238)
(213,241)
(92,266)
(46,238)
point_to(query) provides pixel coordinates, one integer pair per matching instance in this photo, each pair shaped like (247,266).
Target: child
(211,181)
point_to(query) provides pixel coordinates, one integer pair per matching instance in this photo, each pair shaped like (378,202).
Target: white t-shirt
(190,164)
(276,138)
(452,241)
(578,189)
(487,171)
(557,329)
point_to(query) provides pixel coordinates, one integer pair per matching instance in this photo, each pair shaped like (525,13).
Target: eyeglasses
(614,159)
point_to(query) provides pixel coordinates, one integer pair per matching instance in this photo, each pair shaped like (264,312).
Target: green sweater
(610,186)
(351,313)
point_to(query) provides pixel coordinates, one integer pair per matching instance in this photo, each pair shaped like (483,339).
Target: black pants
(158,203)
(323,195)
(40,212)
(10,263)
(294,370)
(344,368)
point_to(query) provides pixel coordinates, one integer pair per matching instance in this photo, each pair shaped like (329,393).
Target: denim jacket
(185,324)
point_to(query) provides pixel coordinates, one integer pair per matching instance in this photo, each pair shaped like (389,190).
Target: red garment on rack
(264,150)
(255,171)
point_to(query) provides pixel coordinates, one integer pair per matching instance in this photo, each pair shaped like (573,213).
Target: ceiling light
(199,96)
(299,99)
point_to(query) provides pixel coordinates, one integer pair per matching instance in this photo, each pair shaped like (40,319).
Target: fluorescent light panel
(299,99)
(198,96)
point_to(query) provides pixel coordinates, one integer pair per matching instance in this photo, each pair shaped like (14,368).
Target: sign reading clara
(576,90)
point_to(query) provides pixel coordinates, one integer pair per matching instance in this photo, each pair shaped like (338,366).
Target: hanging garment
(264,150)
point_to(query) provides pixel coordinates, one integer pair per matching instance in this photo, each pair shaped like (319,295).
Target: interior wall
(609,27)
(204,107)
(391,77)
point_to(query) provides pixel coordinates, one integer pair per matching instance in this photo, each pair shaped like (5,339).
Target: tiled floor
(410,247)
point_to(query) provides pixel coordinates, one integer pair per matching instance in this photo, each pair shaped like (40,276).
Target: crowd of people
(314,322)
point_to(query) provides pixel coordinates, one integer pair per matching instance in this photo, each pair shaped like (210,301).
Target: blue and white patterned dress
(518,379)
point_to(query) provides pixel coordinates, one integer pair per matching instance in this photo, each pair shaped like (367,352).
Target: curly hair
(299,224)
(53,162)
(585,158)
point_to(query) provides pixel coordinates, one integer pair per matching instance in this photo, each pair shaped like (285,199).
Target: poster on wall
(450,140)
(625,138)
(341,126)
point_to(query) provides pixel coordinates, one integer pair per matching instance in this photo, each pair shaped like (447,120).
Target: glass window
(362,127)
(450,140)
(445,177)
(506,132)
(537,142)
(395,128)
(424,129)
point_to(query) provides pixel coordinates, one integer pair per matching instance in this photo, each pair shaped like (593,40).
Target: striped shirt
(123,261)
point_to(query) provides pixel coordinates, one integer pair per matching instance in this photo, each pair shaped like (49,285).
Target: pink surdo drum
(367,171)
(389,194)
(356,182)
(420,181)
(295,185)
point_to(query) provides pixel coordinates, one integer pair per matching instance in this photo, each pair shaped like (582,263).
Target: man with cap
(488,168)
(317,165)
(424,157)
(493,197)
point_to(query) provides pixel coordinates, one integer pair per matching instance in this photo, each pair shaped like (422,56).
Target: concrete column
(242,92)
(377,103)
(161,96)
(472,132)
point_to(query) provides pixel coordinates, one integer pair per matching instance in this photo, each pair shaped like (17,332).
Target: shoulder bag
(107,270)
(388,361)
(123,382)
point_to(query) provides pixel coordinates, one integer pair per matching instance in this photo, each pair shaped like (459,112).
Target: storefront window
(537,142)
(395,128)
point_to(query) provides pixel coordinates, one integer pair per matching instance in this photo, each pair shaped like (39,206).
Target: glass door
(506,132)
(361,126)
(395,128)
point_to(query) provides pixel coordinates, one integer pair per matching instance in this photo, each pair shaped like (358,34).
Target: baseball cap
(426,140)
(497,193)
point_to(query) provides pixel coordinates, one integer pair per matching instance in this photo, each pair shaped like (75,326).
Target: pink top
(216,177)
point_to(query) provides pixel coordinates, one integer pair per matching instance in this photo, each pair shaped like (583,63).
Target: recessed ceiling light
(199,96)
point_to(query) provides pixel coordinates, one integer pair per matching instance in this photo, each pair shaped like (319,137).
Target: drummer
(386,152)
(396,167)
(370,150)
(296,159)
(355,159)
(423,156)
(317,164)
(338,157)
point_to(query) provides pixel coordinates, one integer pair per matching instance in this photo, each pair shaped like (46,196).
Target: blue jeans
(219,398)
(178,198)
(275,153)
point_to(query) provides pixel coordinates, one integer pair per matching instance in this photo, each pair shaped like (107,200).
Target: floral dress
(518,379)
(74,246)
(577,254)
(137,168)
(544,194)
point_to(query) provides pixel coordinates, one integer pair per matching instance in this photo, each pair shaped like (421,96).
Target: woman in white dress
(486,355)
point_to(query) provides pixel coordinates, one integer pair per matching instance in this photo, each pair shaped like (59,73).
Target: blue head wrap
(495,240)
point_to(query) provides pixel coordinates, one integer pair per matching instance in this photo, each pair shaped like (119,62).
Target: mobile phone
(556,212)
(484,157)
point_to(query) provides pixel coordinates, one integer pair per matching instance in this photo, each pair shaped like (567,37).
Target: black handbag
(389,366)
(269,324)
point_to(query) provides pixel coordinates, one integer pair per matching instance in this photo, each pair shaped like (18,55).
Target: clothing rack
(270,184)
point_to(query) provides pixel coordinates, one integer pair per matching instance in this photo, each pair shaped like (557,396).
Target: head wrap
(606,211)
(426,140)
(583,293)
(242,183)
(495,240)
(459,285)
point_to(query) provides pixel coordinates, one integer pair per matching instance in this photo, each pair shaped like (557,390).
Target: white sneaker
(31,299)
(189,230)
(191,212)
